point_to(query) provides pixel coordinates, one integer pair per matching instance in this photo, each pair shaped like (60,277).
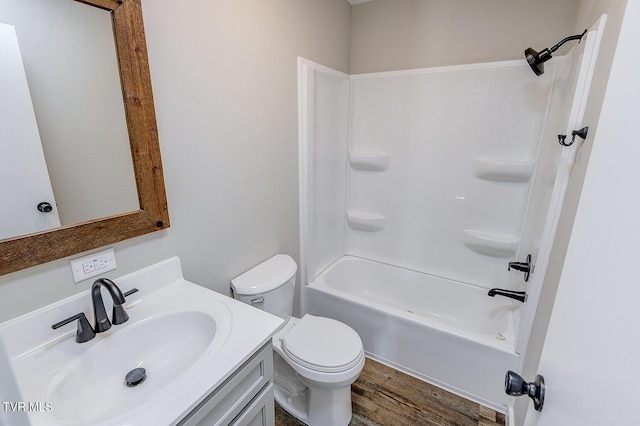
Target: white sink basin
(165,346)
(187,338)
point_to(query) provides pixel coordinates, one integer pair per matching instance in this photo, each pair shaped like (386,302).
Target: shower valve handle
(525,267)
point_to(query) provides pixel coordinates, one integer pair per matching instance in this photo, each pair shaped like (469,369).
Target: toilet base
(296,405)
(317,406)
(317,399)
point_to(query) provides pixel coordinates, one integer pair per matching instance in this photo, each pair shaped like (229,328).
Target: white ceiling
(354,2)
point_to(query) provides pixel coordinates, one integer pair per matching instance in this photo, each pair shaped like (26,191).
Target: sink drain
(135,377)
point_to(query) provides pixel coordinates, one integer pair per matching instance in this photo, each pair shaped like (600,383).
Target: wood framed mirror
(30,250)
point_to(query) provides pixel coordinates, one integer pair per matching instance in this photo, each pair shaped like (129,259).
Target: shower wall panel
(441,164)
(324,104)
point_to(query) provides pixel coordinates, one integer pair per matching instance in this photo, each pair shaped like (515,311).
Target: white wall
(224,82)
(401,34)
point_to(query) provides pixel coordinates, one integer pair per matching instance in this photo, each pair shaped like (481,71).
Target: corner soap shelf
(367,222)
(490,244)
(369,161)
(503,170)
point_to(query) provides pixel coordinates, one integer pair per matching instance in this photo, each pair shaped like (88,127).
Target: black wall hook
(582,134)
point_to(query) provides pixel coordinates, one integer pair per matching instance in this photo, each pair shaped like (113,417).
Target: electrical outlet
(88,268)
(93,264)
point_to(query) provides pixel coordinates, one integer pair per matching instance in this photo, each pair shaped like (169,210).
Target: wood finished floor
(383,396)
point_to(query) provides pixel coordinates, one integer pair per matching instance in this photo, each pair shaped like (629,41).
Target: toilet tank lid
(266,276)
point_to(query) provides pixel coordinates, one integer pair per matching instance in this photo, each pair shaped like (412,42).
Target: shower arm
(566,39)
(536,60)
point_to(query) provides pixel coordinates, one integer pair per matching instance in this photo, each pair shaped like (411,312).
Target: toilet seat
(323,345)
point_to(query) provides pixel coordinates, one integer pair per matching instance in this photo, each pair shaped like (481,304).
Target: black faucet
(84,331)
(517,295)
(119,315)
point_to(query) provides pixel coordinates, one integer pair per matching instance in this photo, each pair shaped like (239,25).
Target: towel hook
(582,134)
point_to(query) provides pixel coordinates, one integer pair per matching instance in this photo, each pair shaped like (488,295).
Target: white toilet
(316,359)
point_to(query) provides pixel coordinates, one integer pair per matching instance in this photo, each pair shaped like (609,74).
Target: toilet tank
(269,286)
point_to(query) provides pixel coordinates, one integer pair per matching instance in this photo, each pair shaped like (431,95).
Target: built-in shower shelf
(367,222)
(490,244)
(369,161)
(503,170)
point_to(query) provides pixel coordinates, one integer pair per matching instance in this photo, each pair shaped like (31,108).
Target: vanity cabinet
(244,399)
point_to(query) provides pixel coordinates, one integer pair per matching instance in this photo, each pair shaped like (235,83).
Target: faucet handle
(525,267)
(84,332)
(119,315)
(130,292)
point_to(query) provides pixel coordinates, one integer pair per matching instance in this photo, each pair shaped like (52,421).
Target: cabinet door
(231,398)
(261,412)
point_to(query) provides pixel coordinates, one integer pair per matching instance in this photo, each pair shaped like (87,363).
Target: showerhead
(536,60)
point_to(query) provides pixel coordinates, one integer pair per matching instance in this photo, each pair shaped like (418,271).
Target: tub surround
(432,167)
(45,361)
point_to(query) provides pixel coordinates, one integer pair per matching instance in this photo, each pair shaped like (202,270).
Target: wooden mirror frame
(131,49)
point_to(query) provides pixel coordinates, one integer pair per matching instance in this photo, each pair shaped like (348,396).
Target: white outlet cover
(93,265)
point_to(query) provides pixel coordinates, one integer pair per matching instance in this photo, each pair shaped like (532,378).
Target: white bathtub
(445,332)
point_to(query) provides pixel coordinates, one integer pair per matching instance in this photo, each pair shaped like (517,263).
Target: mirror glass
(151,212)
(69,60)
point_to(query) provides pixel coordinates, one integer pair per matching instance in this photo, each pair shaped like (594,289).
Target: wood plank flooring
(383,396)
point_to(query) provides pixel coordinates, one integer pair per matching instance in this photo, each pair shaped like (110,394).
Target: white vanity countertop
(44,360)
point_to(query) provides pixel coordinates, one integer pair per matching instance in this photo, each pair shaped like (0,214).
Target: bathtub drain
(500,336)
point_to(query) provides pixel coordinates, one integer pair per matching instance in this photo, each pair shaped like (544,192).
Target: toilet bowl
(326,357)
(316,359)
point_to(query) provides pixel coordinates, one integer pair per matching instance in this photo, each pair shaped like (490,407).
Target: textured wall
(401,34)
(225,82)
